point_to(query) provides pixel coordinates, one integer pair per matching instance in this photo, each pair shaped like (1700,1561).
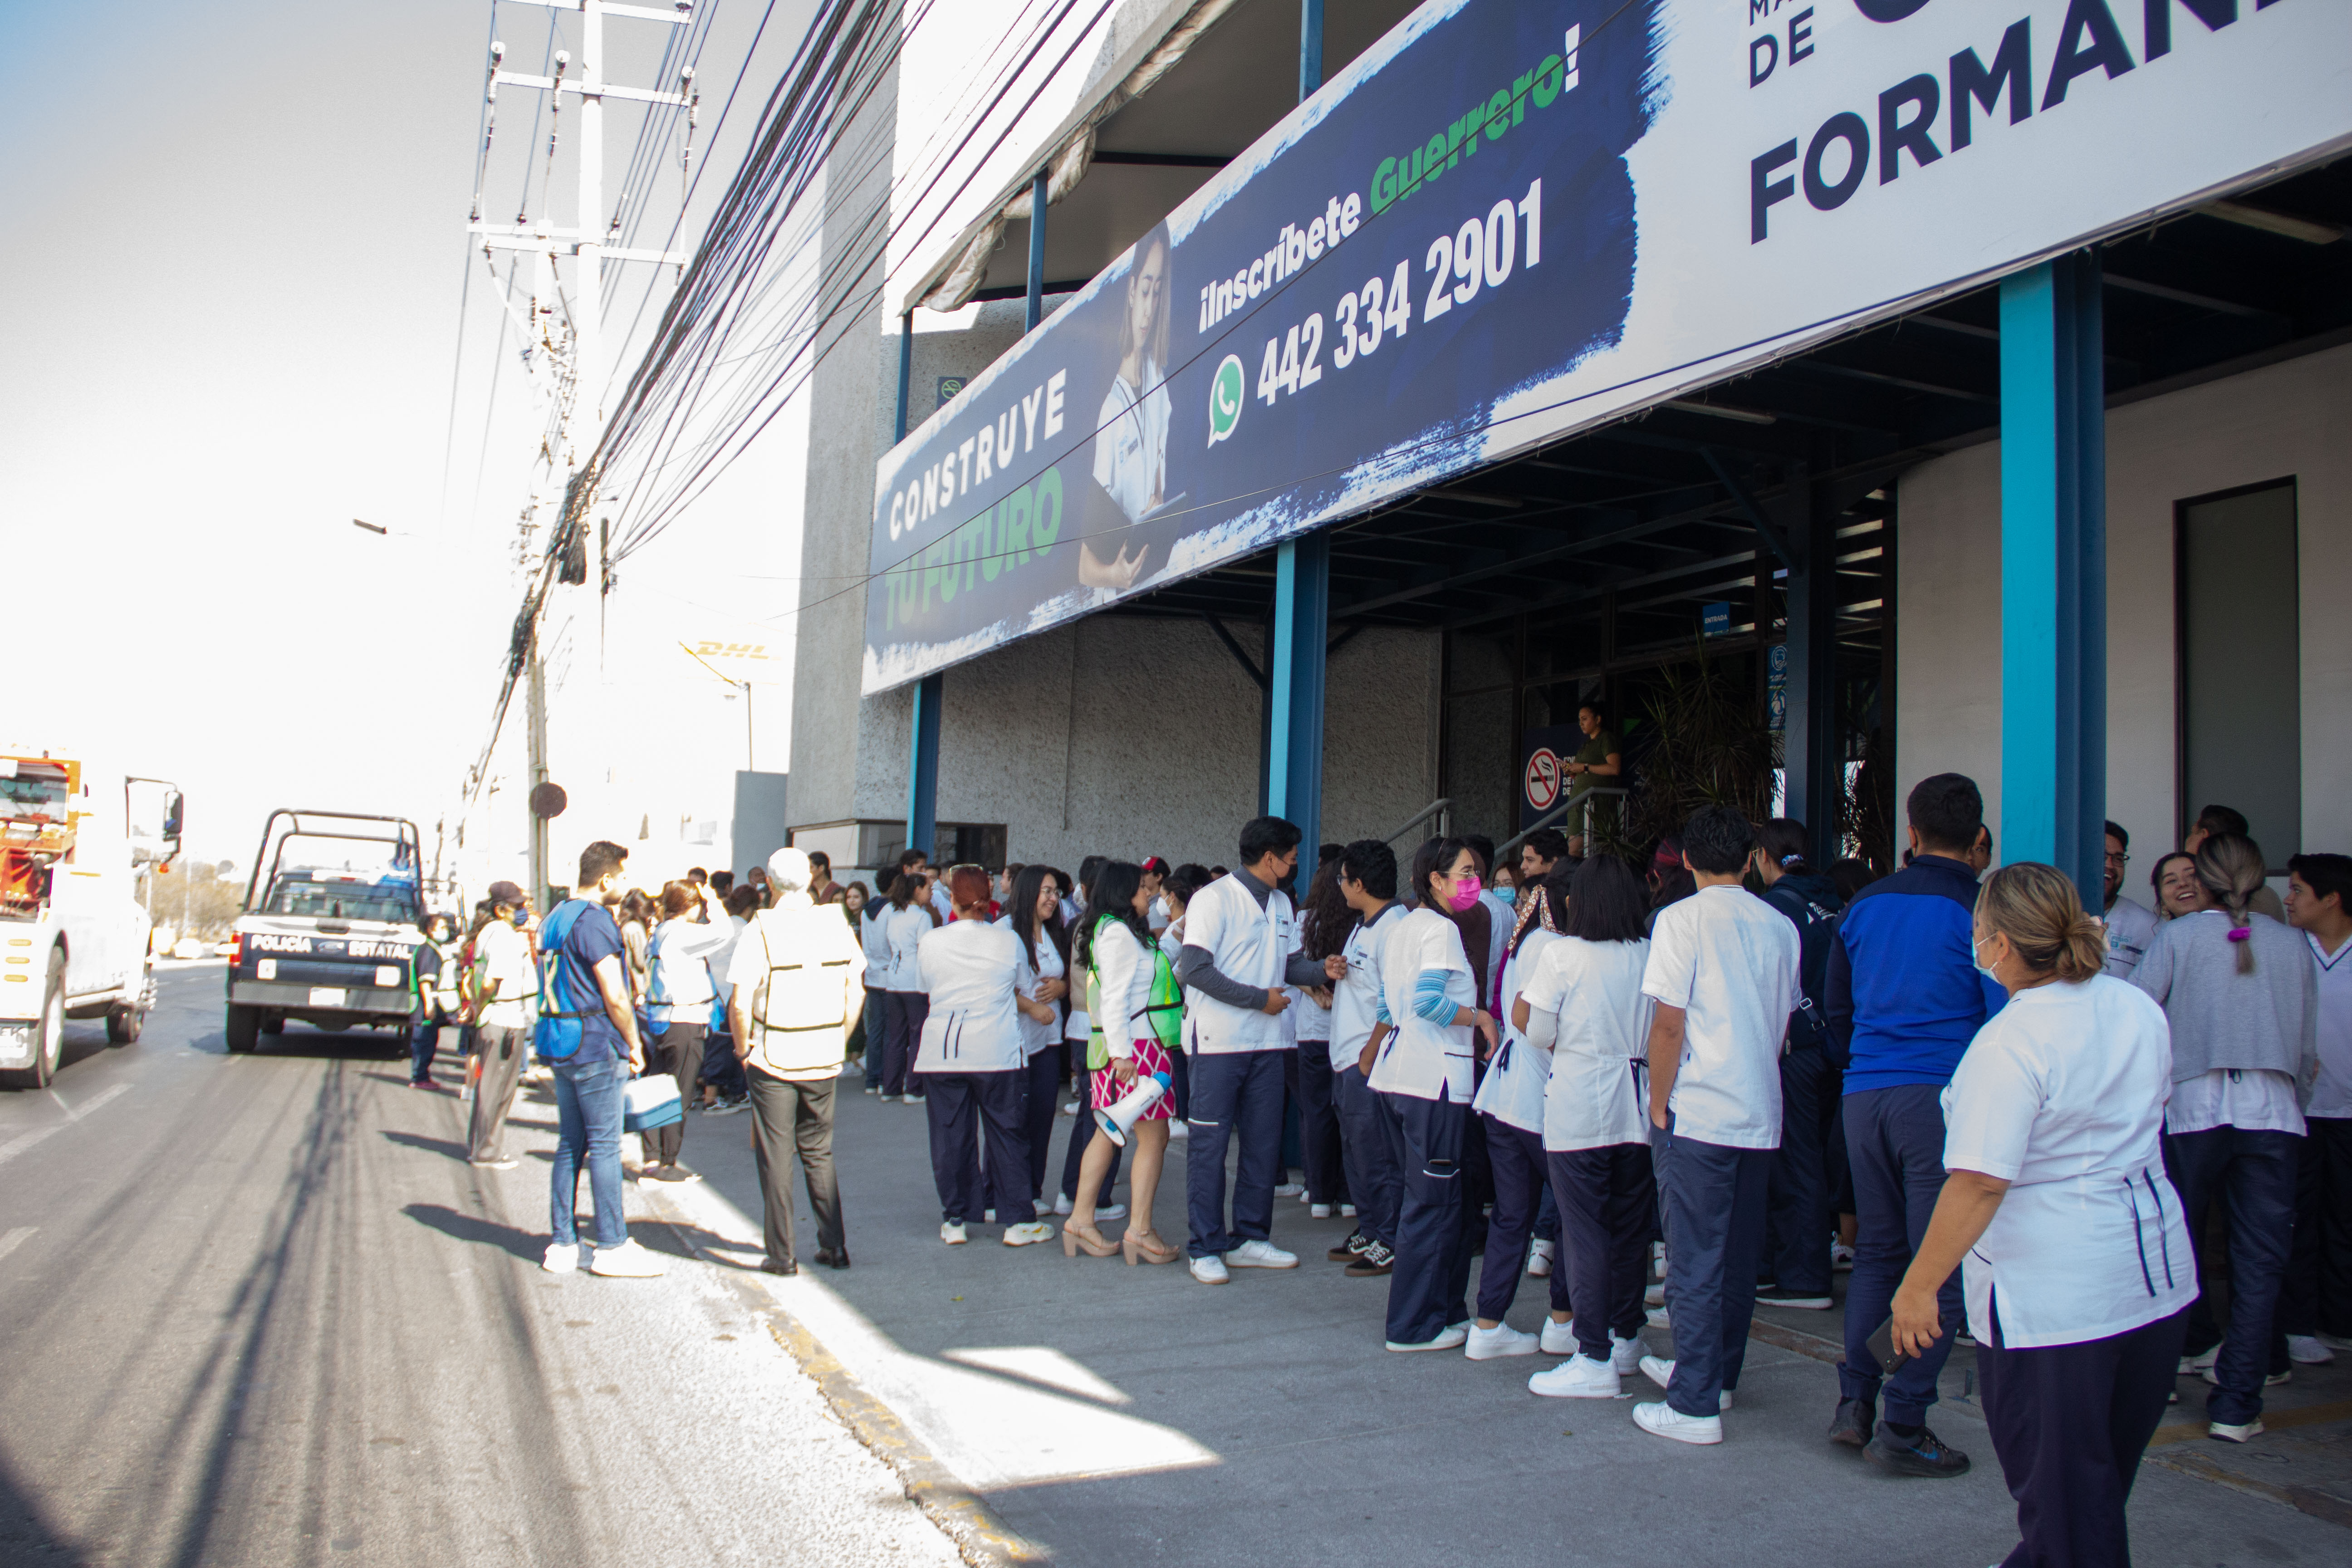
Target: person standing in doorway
(1722,971)
(796,974)
(1598,763)
(1239,952)
(501,980)
(588,1027)
(2130,927)
(1905,997)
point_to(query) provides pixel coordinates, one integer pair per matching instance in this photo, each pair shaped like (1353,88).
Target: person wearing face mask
(1424,1049)
(499,980)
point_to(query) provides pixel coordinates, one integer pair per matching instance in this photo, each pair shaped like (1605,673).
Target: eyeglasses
(2116,858)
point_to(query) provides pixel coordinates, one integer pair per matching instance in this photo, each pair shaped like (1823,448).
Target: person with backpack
(796,980)
(587,1033)
(1798,1218)
(677,1008)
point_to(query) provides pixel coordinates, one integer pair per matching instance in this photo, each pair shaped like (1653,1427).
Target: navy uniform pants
(1236,1095)
(1318,1124)
(1373,1180)
(1429,1286)
(1800,1223)
(1895,1144)
(1714,1200)
(2254,1174)
(2069,1423)
(1041,1092)
(1517,1158)
(1606,1199)
(957,1103)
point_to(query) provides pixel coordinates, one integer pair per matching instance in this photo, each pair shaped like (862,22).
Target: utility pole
(580,383)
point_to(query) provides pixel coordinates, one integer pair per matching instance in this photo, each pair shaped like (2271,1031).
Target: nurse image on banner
(1130,457)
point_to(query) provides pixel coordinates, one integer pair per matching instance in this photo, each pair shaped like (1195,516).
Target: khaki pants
(502,1052)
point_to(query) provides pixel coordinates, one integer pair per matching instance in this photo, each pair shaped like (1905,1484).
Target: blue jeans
(1895,1142)
(589,1099)
(423,1033)
(2252,1174)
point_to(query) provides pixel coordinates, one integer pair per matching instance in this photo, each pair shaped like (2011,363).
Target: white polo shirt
(2333,1094)
(2062,1095)
(1250,945)
(1421,1059)
(1730,960)
(903,931)
(2131,928)
(1593,1098)
(1512,1093)
(969,969)
(1036,1036)
(1356,999)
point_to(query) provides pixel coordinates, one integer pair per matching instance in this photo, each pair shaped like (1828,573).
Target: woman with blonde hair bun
(2076,1269)
(2241,996)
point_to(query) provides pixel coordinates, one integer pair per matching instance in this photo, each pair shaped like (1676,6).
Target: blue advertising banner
(1511,219)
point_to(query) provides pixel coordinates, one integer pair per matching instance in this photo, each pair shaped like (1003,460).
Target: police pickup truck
(333,920)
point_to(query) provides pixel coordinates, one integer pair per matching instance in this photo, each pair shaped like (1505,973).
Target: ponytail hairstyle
(1551,905)
(1783,839)
(1328,919)
(968,888)
(2036,906)
(2231,867)
(1113,893)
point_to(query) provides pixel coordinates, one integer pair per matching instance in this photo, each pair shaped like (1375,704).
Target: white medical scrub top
(1419,1057)
(1249,944)
(2062,1094)
(1730,960)
(969,969)
(1356,999)
(1594,1098)
(1512,1093)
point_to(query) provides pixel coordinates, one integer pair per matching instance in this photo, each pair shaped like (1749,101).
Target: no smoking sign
(1543,778)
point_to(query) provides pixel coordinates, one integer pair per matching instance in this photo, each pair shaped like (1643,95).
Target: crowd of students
(2011,1119)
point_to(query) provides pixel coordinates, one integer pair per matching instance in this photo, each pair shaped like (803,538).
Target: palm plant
(1705,745)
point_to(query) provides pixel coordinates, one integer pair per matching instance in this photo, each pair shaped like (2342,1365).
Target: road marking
(18,1144)
(16,1239)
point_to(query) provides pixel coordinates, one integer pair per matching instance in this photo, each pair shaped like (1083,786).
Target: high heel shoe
(1143,1247)
(1095,1245)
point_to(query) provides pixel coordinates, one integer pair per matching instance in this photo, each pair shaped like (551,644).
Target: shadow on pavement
(25,1535)
(441,1146)
(460,1227)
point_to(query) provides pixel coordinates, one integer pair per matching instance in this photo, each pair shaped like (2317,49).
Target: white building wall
(2279,421)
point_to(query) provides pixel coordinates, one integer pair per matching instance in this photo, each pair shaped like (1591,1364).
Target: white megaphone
(1121,1119)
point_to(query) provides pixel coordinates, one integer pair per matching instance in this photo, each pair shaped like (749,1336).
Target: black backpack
(1817,924)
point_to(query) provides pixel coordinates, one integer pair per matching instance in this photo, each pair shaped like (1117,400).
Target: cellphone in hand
(1882,1349)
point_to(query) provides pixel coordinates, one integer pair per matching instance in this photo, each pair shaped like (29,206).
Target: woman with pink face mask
(1424,1054)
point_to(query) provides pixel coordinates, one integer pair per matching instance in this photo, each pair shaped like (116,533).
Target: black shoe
(1375,1259)
(833,1256)
(1925,1455)
(1850,1426)
(787,1268)
(1350,1249)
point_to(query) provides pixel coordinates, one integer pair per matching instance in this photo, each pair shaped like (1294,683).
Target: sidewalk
(1112,1416)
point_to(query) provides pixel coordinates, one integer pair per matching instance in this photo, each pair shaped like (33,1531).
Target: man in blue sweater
(1903,999)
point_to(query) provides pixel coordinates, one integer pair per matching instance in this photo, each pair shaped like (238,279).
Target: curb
(981,1538)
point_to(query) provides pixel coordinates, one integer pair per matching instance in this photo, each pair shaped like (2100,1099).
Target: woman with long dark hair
(907,919)
(1137,1016)
(1584,1006)
(1034,914)
(1424,1069)
(1324,924)
(1510,1107)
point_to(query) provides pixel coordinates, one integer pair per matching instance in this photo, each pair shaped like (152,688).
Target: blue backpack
(559,1032)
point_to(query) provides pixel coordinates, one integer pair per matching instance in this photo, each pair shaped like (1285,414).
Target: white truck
(74,939)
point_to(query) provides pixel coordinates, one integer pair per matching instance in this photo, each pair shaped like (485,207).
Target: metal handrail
(1443,803)
(1562,809)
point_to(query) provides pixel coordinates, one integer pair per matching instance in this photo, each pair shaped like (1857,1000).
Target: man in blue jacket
(1903,999)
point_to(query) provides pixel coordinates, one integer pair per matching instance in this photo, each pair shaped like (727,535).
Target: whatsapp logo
(1226,394)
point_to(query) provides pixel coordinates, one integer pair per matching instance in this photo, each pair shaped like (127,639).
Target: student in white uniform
(1424,1070)
(1239,951)
(2055,1206)
(1033,913)
(2240,994)
(1510,1108)
(1368,880)
(2315,1307)
(973,1060)
(1723,972)
(1077,1029)
(1318,1120)
(1585,1006)
(907,919)
(873,939)
(1183,885)
(2130,927)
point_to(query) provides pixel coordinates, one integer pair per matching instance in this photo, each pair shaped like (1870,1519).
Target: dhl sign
(711,649)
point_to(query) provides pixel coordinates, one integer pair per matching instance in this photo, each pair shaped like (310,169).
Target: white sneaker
(1665,1421)
(1323,1210)
(1660,1371)
(1656,1318)
(1304,1196)
(627,1261)
(2306,1349)
(1502,1340)
(1540,1257)
(2235,1433)
(951,1232)
(2201,1362)
(1111,1211)
(1178,1130)
(1061,1205)
(1446,1339)
(1029,1235)
(562,1257)
(1626,1355)
(1210,1270)
(1289,1189)
(1071,1108)
(1347,1211)
(2334,1342)
(988,1217)
(910,1100)
(1557,1338)
(1840,1257)
(1578,1377)
(1257,1255)
(1655,1295)
(2213,1375)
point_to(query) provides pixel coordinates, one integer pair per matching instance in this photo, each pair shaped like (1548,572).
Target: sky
(234,318)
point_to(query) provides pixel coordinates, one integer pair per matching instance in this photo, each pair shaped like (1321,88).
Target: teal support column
(1302,619)
(2054,567)
(1310,47)
(923,766)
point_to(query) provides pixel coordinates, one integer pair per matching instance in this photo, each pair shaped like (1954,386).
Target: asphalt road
(259,1311)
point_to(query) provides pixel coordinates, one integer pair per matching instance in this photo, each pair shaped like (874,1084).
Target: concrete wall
(2281,421)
